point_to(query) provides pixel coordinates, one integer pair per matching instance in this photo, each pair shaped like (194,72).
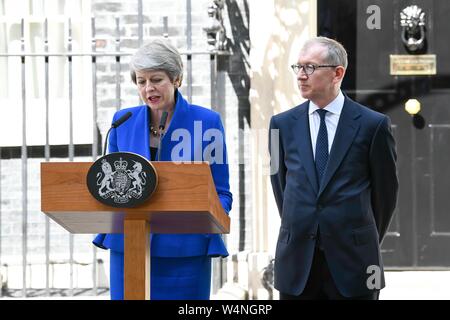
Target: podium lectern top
(185,201)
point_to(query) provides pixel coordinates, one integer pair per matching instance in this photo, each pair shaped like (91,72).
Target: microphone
(162,122)
(162,125)
(114,125)
(121,120)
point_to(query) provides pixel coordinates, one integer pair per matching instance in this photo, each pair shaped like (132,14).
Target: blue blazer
(352,207)
(204,127)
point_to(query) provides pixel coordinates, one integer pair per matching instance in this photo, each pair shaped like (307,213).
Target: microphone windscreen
(121,120)
(162,123)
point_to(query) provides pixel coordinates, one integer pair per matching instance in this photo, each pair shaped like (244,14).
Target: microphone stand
(161,135)
(114,125)
(106,141)
(162,125)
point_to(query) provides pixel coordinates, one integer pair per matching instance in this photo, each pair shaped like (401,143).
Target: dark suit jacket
(353,206)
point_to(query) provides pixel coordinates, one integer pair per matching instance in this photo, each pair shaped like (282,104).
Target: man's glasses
(309,69)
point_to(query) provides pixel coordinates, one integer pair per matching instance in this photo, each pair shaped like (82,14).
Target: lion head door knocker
(412,21)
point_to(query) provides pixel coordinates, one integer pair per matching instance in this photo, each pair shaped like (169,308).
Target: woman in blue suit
(180,263)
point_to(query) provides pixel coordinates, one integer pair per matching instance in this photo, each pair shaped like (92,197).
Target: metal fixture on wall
(267,279)
(215,31)
(412,20)
(412,106)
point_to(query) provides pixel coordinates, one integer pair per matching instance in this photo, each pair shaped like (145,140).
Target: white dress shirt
(334,109)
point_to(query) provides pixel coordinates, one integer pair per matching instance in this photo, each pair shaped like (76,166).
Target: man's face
(321,84)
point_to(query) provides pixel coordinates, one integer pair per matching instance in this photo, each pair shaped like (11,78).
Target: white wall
(278,28)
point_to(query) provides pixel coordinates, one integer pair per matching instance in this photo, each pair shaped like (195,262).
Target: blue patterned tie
(321,157)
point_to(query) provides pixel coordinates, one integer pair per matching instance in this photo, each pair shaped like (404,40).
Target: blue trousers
(186,278)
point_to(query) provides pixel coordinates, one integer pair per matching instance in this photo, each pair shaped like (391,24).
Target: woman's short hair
(158,54)
(336,51)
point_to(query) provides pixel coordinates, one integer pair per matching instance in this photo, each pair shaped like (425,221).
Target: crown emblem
(122,179)
(120,164)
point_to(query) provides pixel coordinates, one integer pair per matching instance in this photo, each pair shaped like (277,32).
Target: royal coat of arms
(121,179)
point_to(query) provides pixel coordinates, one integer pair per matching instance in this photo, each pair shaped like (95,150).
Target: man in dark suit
(335,187)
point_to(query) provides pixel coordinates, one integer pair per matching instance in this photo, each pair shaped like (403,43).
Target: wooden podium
(185,201)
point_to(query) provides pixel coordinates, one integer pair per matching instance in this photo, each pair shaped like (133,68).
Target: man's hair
(336,54)
(158,54)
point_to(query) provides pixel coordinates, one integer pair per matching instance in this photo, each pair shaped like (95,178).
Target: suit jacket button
(312,236)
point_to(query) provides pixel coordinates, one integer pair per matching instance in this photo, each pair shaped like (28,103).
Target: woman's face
(156,89)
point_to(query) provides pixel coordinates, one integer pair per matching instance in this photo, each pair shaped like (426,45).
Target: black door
(419,235)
